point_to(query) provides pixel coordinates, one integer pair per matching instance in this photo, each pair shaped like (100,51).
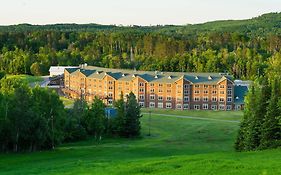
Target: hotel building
(170,90)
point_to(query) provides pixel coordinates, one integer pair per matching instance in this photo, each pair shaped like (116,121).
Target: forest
(247,49)
(242,48)
(33,119)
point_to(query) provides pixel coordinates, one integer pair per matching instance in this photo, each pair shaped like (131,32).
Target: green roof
(151,76)
(71,70)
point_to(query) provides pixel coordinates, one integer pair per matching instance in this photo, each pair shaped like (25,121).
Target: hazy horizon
(126,12)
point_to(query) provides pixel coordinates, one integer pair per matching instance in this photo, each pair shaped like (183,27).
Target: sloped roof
(71,70)
(152,76)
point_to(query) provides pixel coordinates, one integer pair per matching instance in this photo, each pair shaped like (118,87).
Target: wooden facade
(171,90)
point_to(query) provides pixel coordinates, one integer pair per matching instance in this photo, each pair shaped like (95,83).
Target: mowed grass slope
(176,146)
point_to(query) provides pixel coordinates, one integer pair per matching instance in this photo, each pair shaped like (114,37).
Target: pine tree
(132,117)
(262,94)
(96,119)
(119,122)
(271,133)
(241,143)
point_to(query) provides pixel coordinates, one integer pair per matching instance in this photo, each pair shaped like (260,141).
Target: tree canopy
(243,48)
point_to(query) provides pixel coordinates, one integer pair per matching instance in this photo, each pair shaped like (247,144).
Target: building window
(141,97)
(179,106)
(186,91)
(160,85)
(205,92)
(110,82)
(221,92)
(229,99)
(205,99)
(214,86)
(160,90)
(185,106)
(169,98)
(179,99)
(229,87)
(152,105)
(179,86)
(160,105)
(221,107)
(160,98)
(186,98)
(110,95)
(186,86)
(221,86)
(168,105)
(168,90)
(152,90)
(141,104)
(221,99)
(141,89)
(214,107)
(110,101)
(197,86)
(238,107)
(196,99)
(196,92)
(205,106)
(214,92)
(214,99)
(141,84)
(151,84)
(205,86)
(229,92)
(228,107)
(197,107)
(152,97)
(169,85)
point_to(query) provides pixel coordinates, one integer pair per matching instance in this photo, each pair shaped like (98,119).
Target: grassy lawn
(222,115)
(176,146)
(27,78)
(66,101)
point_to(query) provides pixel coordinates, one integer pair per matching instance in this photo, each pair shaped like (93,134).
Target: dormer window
(156,76)
(133,75)
(196,77)
(123,75)
(169,77)
(210,78)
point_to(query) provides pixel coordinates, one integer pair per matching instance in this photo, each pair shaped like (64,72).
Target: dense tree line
(212,47)
(35,118)
(261,125)
(30,119)
(91,120)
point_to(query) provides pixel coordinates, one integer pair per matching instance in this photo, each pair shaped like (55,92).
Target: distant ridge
(266,23)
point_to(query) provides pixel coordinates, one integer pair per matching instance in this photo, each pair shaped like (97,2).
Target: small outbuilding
(59,70)
(239,95)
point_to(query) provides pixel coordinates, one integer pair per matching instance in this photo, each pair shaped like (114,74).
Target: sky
(131,12)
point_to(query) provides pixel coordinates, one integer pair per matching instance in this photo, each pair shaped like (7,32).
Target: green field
(176,146)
